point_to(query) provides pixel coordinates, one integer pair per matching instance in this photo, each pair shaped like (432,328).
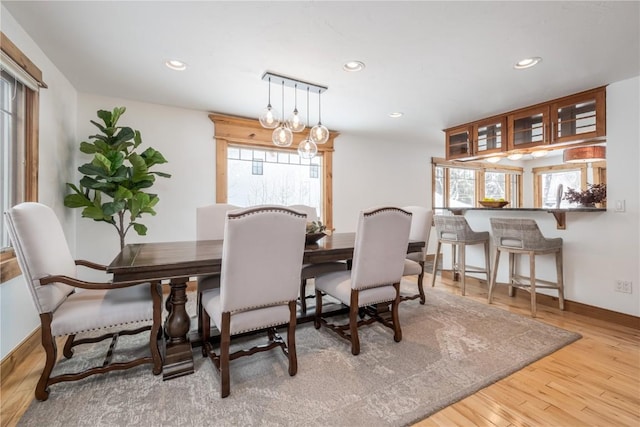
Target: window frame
(538,172)
(480,169)
(244,132)
(9,267)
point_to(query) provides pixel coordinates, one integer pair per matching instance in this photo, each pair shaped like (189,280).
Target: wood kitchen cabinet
(528,128)
(579,117)
(574,119)
(458,142)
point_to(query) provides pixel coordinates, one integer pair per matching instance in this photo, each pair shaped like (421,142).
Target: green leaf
(137,139)
(93,212)
(122,193)
(76,201)
(115,116)
(125,134)
(140,229)
(88,148)
(106,118)
(112,208)
(101,161)
(140,171)
(162,174)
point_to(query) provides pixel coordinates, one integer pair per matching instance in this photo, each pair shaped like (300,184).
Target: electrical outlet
(624,286)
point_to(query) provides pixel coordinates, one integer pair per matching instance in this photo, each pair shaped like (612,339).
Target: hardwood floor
(592,382)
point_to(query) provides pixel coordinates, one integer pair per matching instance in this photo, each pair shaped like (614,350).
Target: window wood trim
(537,177)
(249,133)
(9,268)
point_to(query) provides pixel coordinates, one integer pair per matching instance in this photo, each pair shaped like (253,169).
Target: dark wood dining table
(176,262)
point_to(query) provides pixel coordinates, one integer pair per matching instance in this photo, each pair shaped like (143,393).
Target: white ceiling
(440,63)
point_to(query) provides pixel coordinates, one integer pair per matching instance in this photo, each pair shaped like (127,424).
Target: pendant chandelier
(283,129)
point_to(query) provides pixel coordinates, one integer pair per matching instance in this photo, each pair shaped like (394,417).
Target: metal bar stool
(455,230)
(522,236)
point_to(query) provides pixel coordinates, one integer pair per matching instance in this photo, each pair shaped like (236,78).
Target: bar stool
(518,236)
(455,230)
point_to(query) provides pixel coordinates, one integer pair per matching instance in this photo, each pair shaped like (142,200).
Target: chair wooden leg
(494,275)
(423,297)
(67,351)
(512,272)
(316,319)
(303,299)
(156,326)
(353,323)
(225,343)
(51,352)
(487,260)
(291,339)
(532,276)
(434,270)
(560,273)
(205,322)
(397,332)
(463,266)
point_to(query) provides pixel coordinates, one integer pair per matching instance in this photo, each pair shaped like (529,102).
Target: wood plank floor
(592,382)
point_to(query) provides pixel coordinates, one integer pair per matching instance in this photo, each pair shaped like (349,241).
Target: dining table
(175,263)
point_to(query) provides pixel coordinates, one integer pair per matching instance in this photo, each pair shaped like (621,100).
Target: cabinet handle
(553,132)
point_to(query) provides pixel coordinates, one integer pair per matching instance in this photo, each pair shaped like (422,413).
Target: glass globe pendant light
(295,122)
(319,133)
(307,149)
(269,117)
(282,135)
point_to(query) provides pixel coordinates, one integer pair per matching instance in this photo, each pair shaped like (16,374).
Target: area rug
(452,346)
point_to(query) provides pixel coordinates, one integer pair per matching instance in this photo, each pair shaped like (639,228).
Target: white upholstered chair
(380,249)
(455,231)
(269,239)
(210,226)
(517,236)
(50,274)
(312,270)
(421,220)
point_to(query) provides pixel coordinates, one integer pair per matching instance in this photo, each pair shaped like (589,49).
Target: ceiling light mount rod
(293,82)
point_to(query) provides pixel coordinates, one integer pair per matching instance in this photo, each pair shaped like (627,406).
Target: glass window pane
(554,184)
(278,180)
(462,187)
(495,185)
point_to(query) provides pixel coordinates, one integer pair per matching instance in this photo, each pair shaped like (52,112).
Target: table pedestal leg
(178,359)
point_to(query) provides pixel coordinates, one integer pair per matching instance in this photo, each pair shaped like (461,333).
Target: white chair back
(421,220)
(381,245)
(42,250)
(312,213)
(261,257)
(210,221)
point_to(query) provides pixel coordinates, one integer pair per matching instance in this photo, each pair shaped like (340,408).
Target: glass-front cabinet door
(528,128)
(578,118)
(489,136)
(459,142)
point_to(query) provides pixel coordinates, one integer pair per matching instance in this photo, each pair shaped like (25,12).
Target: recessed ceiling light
(396,115)
(353,66)
(174,64)
(527,62)
(539,153)
(494,159)
(515,156)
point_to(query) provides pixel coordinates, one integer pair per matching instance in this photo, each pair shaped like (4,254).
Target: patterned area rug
(451,347)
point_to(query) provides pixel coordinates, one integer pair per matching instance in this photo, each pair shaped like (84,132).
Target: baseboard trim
(571,306)
(26,347)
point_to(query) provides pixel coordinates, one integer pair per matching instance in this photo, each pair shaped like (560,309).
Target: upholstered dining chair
(310,271)
(270,239)
(382,237)
(51,276)
(421,221)
(210,222)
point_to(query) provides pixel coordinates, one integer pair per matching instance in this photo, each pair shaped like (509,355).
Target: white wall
(58,104)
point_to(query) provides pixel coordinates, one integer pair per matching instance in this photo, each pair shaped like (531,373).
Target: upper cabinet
(459,142)
(578,118)
(569,120)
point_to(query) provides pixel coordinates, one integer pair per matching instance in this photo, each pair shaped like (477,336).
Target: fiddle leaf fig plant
(113,188)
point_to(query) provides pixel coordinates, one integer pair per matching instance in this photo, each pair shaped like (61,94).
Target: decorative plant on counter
(595,193)
(118,172)
(315,227)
